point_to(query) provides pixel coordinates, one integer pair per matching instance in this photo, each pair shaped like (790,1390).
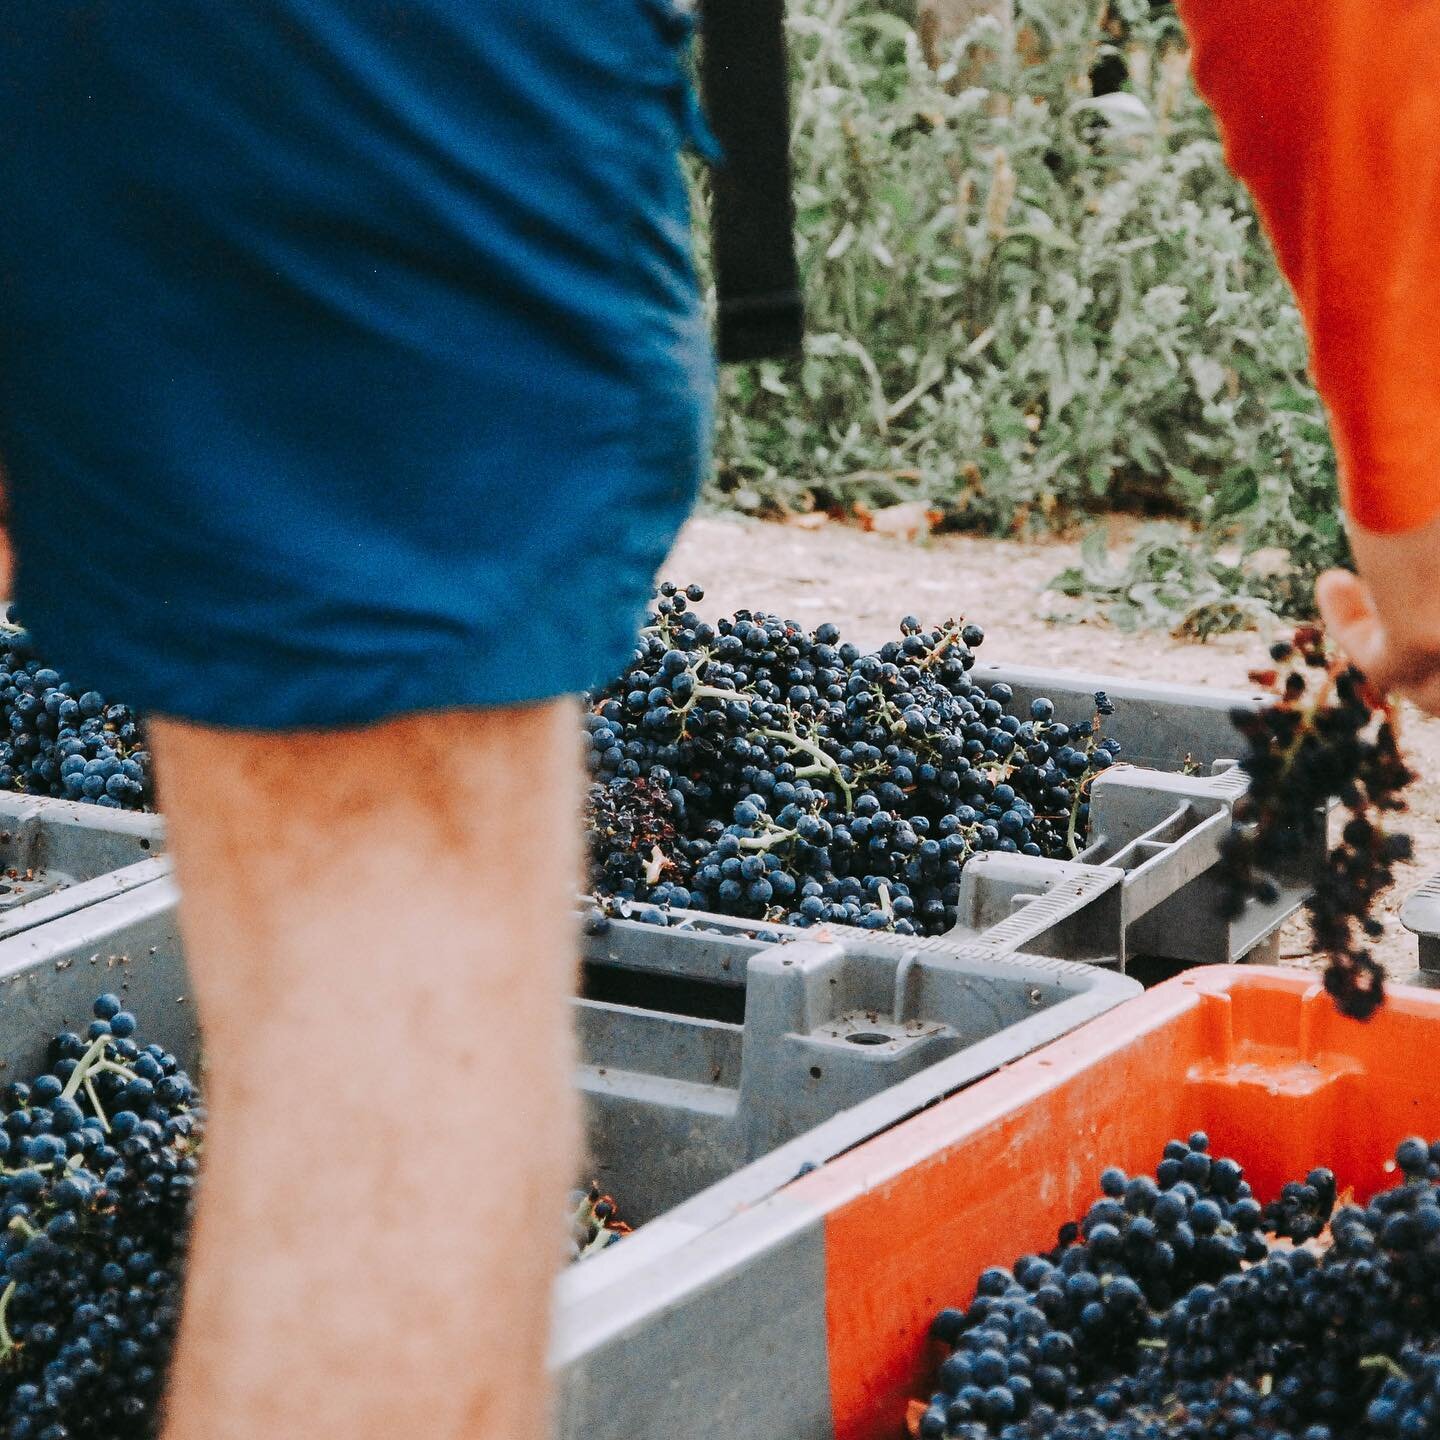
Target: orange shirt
(1330,113)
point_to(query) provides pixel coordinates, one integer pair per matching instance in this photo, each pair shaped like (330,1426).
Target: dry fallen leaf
(1271,562)
(912,520)
(913,1411)
(807,520)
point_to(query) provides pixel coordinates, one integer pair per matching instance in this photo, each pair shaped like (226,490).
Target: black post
(746,84)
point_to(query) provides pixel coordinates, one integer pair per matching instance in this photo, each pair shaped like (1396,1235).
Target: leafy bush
(1167,581)
(1029,303)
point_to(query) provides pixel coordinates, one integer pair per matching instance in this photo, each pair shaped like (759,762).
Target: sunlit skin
(1387,618)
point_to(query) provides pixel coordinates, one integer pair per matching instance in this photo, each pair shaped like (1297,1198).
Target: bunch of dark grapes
(98,1161)
(1303,1208)
(1327,736)
(1180,1308)
(66,745)
(632,831)
(759,769)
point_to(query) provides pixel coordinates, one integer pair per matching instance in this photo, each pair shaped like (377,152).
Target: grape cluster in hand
(763,770)
(1180,1308)
(66,745)
(98,1163)
(1326,736)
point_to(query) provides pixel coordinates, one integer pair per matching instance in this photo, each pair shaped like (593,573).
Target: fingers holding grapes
(1386,618)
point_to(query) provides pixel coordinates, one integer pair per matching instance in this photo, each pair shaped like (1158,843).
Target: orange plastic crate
(1257,1058)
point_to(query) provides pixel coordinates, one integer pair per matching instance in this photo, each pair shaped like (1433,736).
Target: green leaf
(885,24)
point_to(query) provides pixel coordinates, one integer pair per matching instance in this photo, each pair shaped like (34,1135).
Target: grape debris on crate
(595,1222)
(759,769)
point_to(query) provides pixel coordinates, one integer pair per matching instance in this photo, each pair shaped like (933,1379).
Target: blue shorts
(351,355)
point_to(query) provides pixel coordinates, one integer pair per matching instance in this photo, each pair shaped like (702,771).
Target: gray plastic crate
(1155,825)
(1421,914)
(678,1098)
(1143,886)
(823,1024)
(57,856)
(683,1083)
(130,944)
(693,1118)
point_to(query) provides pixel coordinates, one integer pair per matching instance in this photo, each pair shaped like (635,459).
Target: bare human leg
(379,929)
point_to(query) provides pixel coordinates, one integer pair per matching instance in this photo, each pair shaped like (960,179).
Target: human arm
(1330,113)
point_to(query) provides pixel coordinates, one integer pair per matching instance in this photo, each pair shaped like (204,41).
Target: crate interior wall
(680,1097)
(56,855)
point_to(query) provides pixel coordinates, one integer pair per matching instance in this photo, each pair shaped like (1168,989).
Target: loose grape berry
(595,1222)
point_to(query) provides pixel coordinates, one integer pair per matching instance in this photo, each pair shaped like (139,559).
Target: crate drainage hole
(868,1037)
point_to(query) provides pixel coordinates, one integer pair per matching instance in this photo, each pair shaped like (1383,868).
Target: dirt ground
(865,583)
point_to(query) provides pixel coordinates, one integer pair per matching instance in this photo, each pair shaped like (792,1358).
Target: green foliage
(1028,304)
(1166,581)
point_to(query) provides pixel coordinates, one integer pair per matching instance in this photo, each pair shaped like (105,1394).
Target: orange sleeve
(1330,113)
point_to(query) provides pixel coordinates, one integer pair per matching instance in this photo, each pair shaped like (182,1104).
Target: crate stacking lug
(1145,884)
(685,1082)
(1420,914)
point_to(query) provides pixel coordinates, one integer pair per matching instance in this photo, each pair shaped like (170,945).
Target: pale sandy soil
(865,583)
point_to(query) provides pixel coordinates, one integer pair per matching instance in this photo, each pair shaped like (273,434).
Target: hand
(1387,618)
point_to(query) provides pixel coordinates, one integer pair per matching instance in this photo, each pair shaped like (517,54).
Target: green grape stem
(86,1063)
